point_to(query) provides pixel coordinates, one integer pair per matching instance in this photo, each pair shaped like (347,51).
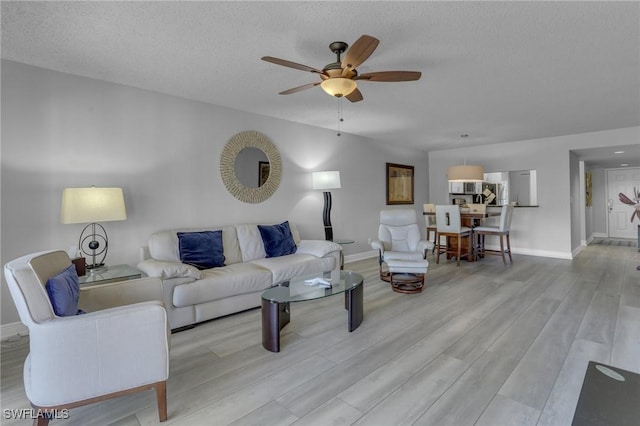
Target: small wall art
(399,184)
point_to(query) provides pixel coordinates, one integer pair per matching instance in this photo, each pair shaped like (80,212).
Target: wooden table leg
(274,317)
(354,303)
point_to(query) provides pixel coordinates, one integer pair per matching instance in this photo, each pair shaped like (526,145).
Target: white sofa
(192,295)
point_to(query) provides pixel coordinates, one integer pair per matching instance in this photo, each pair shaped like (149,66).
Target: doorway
(619,214)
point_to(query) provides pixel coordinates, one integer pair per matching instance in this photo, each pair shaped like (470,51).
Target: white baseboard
(13,329)
(577,250)
(599,235)
(526,252)
(361,256)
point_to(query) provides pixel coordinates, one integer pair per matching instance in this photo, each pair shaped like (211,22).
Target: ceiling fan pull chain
(340,119)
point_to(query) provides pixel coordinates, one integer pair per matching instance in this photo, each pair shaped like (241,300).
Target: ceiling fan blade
(290,64)
(355,96)
(299,88)
(390,76)
(359,51)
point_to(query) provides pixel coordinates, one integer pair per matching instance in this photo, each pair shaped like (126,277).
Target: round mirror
(250,167)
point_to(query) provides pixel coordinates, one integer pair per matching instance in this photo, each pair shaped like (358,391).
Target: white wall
(60,130)
(576,201)
(544,230)
(598,209)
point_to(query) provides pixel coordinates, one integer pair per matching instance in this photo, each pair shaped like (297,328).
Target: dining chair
(431,223)
(501,231)
(449,225)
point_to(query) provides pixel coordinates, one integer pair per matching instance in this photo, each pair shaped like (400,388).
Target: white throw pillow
(166,270)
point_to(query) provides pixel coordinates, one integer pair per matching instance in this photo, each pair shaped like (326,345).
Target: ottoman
(407,276)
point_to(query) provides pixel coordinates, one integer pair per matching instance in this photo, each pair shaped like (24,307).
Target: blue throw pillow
(64,291)
(277,239)
(201,249)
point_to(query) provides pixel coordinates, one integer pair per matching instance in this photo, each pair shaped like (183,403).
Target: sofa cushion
(163,245)
(201,249)
(286,267)
(218,283)
(277,239)
(250,241)
(63,290)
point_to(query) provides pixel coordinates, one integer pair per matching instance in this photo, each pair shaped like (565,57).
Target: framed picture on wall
(399,184)
(263,172)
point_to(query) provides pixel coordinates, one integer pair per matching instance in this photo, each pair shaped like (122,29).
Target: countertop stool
(407,276)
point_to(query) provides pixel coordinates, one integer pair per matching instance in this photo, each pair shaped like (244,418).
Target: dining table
(469,219)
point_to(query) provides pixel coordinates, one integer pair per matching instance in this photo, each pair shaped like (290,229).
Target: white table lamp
(92,205)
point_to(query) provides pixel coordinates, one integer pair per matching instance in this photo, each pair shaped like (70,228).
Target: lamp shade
(338,86)
(90,205)
(326,180)
(466,174)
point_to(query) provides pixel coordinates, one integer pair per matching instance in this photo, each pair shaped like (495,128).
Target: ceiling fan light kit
(338,86)
(339,77)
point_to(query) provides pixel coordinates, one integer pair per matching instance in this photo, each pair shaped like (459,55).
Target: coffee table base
(276,315)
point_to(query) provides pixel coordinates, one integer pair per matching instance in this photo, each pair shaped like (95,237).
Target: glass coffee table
(276,300)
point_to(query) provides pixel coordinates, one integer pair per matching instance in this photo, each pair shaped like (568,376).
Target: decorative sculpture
(635,203)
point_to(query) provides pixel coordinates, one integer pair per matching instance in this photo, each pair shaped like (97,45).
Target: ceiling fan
(339,78)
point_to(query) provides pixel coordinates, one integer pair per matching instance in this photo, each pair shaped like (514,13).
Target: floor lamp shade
(92,205)
(325,181)
(465,174)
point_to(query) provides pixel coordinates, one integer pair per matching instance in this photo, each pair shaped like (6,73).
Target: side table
(342,243)
(111,274)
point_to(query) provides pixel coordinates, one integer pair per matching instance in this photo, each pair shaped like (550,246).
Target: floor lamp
(92,205)
(325,181)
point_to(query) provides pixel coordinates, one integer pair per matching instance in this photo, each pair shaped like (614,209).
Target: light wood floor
(483,344)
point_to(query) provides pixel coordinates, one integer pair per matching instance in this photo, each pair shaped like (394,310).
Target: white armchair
(400,239)
(105,353)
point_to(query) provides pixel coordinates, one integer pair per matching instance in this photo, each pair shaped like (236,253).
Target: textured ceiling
(497,71)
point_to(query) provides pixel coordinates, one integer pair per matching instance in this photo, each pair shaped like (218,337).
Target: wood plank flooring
(483,344)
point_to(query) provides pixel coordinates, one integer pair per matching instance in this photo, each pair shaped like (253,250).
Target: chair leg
(437,247)
(459,250)
(435,242)
(509,248)
(502,250)
(161,396)
(41,421)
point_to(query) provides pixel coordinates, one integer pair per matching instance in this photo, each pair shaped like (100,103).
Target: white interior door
(621,180)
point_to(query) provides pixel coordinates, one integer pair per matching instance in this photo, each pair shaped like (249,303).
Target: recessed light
(624,165)
(618,152)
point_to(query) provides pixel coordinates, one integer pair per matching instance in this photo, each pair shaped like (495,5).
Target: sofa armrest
(88,355)
(318,248)
(104,296)
(377,245)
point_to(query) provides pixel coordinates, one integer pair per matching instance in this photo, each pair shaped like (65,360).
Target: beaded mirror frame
(238,142)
